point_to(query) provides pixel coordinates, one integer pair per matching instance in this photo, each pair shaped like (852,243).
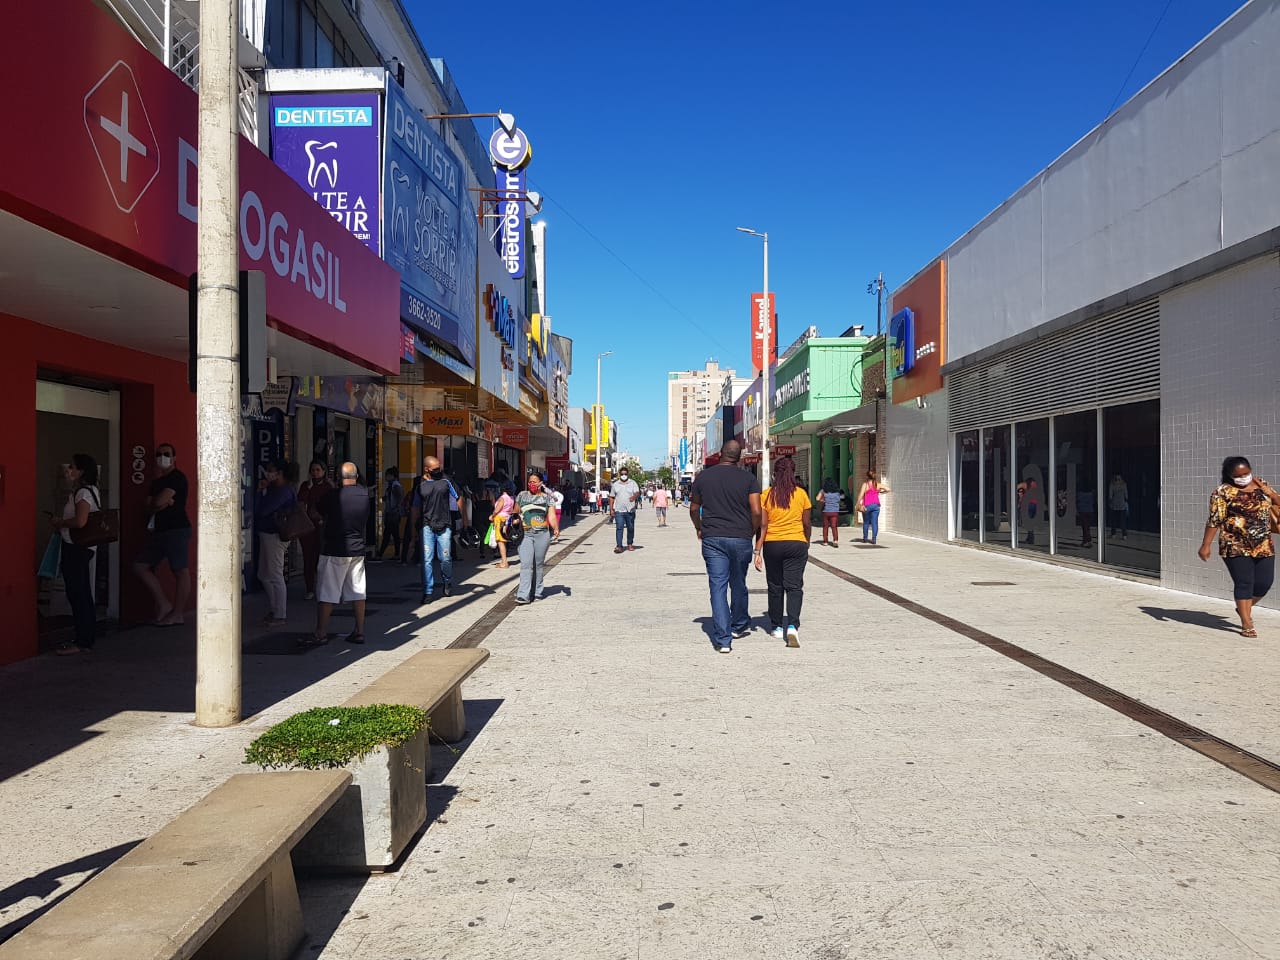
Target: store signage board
(330,144)
(902,342)
(429,231)
(509,238)
(760,318)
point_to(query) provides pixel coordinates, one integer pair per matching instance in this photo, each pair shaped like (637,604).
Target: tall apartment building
(692,396)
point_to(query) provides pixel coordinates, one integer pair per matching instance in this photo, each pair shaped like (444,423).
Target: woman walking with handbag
(275,494)
(77,562)
(1242,512)
(310,495)
(782,550)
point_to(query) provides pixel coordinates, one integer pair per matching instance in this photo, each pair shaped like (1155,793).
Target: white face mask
(164,462)
(1243,481)
(624,478)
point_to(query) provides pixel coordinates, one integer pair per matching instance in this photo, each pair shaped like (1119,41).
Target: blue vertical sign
(509,239)
(329,144)
(684,453)
(429,233)
(902,342)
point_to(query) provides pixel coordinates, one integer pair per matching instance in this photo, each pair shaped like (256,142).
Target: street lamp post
(764,362)
(595,422)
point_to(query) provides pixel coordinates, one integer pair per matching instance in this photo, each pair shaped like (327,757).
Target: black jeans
(1252,577)
(75,579)
(784,562)
(390,535)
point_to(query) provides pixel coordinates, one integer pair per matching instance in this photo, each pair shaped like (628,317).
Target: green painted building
(821,379)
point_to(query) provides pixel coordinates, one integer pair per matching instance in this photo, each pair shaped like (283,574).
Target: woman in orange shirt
(782,549)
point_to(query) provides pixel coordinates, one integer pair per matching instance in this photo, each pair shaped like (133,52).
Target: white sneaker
(779,633)
(793,637)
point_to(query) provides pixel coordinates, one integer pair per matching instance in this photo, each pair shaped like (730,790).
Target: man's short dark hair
(172,449)
(731,451)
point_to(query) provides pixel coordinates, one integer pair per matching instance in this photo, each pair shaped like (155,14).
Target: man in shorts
(660,502)
(169,539)
(340,574)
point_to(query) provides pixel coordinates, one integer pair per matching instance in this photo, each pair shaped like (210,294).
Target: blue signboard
(509,239)
(902,342)
(329,144)
(429,231)
(684,453)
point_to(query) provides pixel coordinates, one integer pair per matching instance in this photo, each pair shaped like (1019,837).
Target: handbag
(293,522)
(101,527)
(1275,518)
(52,557)
(513,530)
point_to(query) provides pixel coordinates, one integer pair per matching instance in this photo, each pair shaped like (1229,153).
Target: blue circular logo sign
(511,152)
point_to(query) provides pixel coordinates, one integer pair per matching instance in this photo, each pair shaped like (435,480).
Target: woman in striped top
(830,511)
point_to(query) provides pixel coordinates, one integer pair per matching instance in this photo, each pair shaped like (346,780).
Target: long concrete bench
(217,882)
(431,680)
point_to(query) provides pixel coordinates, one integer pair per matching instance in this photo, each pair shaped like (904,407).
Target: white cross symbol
(126,139)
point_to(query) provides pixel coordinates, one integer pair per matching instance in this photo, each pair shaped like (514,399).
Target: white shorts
(339,579)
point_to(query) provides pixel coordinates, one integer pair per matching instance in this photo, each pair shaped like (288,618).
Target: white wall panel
(917,468)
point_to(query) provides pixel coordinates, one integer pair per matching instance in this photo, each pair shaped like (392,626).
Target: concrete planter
(372,823)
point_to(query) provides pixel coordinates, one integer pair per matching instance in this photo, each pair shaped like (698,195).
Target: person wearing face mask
(431,498)
(538,516)
(1240,515)
(169,540)
(623,495)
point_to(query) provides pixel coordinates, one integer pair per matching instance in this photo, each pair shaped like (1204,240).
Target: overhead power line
(1128,76)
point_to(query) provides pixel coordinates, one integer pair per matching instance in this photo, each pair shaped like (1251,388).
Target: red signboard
(104,153)
(759,318)
(517,437)
(784,450)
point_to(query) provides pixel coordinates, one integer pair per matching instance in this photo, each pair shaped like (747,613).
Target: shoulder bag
(293,522)
(102,526)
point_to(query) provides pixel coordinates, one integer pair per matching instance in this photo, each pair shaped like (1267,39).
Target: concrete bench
(216,882)
(432,681)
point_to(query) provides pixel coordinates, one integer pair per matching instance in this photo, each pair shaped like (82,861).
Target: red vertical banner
(760,318)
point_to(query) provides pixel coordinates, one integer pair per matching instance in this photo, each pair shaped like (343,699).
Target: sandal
(315,640)
(356,637)
(1248,632)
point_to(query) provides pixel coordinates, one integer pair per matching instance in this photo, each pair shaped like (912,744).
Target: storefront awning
(861,419)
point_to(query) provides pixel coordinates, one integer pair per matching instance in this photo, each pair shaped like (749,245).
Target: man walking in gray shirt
(622,500)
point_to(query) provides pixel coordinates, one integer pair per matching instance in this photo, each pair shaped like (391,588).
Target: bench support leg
(267,926)
(449,721)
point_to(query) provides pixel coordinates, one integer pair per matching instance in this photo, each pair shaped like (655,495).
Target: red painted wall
(155,406)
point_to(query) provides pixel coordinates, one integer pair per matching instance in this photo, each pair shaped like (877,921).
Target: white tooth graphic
(316,167)
(400,210)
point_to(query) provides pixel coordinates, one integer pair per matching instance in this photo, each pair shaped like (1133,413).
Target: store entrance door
(71,420)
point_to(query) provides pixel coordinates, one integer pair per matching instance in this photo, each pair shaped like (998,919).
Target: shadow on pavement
(44,884)
(1198,618)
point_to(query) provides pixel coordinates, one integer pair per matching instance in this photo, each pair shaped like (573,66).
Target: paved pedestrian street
(893,789)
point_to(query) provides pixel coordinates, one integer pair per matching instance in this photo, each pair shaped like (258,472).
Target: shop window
(1032,493)
(997,468)
(1075,488)
(288,50)
(967,491)
(1131,486)
(307,37)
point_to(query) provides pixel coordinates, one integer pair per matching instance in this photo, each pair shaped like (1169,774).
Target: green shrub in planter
(326,738)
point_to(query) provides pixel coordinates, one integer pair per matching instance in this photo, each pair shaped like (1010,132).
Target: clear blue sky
(862,137)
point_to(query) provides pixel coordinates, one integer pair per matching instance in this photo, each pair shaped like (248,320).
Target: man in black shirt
(340,574)
(170,538)
(725,509)
(431,512)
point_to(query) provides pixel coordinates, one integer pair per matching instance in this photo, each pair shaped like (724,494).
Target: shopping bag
(52,556)
(490,538)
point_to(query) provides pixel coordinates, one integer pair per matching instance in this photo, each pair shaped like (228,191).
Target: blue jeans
(430,541)
(727,559)
(625,521)
(871,521)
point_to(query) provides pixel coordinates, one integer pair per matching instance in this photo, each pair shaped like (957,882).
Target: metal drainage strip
(1258,769)
(475,634)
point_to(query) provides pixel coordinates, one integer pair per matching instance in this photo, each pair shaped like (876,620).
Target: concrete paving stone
(1009,862)
(443,873)
(1119,893)
(875,939)
(764,869)
(1182,857)
(573,923)
(1144,937)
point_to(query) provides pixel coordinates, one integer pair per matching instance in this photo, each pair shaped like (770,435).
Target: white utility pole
(595,424)
(764,362)
(218,374)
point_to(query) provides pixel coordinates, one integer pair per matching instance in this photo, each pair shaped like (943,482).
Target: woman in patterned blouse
(1240,514)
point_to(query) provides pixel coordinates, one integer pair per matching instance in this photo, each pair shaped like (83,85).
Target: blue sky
(863,138)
